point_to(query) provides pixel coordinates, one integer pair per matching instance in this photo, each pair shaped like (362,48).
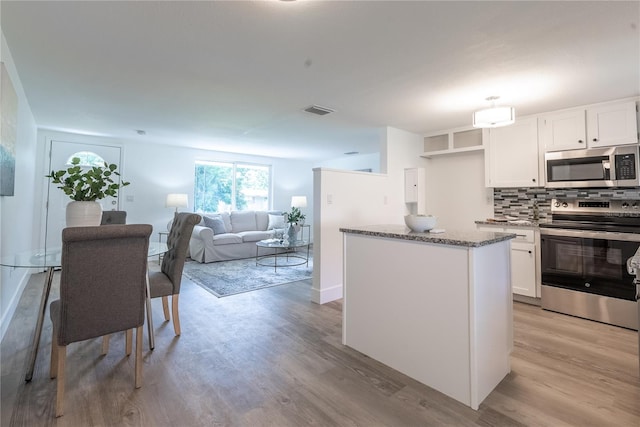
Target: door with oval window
(60,155)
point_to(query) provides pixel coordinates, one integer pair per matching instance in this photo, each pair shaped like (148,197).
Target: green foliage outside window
(228,186)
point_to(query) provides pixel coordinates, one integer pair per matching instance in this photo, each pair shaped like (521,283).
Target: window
(87,158)
(221,187)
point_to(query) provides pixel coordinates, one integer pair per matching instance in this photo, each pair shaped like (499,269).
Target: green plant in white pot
(294,219)
(85,186)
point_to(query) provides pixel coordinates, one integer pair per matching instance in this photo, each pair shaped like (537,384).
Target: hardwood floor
(273,358)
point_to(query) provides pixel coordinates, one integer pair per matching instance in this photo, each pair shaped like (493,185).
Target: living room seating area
(225,236)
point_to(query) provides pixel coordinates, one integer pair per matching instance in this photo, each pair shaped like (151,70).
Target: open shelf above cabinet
(455,141)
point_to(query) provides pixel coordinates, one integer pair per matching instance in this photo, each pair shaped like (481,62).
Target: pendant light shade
(495,116)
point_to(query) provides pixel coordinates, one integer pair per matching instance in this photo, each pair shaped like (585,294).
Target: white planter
(292,232)
(82,214)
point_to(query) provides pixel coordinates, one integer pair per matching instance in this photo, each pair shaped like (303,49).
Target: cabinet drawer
(522,235)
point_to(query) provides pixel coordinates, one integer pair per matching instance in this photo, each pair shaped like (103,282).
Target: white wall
(156,170)
(401,150)
(357,162)
(17,212)
(345,198)
(456,194)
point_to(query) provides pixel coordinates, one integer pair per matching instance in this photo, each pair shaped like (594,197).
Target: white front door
(61,153)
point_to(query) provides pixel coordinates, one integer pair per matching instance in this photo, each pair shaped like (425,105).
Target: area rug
(227,278)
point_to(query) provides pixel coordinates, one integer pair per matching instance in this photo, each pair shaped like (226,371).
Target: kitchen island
(436,307)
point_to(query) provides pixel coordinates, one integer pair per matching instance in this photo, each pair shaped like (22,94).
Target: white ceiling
(235,75)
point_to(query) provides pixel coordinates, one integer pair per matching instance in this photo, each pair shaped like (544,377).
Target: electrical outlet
(129,198)
(329,199)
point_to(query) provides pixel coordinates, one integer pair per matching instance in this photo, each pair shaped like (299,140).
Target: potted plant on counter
(85,186)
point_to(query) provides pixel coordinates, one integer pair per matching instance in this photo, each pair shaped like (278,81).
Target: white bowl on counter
(420,223)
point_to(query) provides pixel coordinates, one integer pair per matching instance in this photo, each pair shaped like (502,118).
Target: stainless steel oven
(584,252)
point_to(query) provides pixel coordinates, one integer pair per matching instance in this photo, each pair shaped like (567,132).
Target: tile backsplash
(519,202)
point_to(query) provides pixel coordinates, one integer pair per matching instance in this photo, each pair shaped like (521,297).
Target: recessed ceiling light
(350,153)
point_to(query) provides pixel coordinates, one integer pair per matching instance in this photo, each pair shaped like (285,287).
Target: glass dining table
(48,260)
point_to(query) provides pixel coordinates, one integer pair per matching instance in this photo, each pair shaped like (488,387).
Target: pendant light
(495,116)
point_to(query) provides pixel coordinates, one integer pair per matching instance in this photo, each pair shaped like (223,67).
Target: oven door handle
(586,234)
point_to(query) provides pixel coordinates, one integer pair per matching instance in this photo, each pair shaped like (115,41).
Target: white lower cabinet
(525,258)
(523,268)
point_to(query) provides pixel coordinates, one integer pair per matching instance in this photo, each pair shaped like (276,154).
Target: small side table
(160,235)
(308,227)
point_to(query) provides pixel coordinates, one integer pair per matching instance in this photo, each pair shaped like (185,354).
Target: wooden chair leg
(165,307)
(128,340)
(53,366)
(138,356)
(176,317)
(105,344)
(62,355)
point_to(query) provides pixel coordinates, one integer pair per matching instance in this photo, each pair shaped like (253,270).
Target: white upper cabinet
(454,141)
(599,126)
(414,189)
(565,130)
(511,157)
(614,124)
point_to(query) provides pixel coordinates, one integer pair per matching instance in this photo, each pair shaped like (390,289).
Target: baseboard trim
(325,295)
(526,299)
(13,304)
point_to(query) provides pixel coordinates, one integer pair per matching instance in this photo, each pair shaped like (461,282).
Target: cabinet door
(563,131)
(614,124)
(414,185)
(411,185)
(512,159)
(523,268)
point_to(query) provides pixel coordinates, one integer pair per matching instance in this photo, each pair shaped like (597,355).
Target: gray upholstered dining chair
(113,217)
(102,291)
(167,281)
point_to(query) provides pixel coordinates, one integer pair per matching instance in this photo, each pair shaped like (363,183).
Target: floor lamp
(176,200)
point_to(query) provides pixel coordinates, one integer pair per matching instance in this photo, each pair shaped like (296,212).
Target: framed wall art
(8,131)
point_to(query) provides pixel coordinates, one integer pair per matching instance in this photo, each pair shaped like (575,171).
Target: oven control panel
(596,207)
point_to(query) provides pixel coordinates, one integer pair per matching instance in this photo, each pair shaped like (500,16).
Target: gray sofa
(224,236)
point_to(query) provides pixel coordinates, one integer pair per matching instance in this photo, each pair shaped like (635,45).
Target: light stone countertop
(472,239)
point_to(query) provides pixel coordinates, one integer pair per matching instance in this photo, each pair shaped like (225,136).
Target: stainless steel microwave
(595,167)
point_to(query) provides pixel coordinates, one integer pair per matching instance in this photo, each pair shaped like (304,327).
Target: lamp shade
(494,117)
(175,200)
(299,201)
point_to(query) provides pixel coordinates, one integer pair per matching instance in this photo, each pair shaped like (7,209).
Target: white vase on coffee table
(292,231)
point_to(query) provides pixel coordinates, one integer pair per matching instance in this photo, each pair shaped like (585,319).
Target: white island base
(439,313)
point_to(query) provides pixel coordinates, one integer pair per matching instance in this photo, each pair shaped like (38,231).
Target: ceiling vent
(316,109)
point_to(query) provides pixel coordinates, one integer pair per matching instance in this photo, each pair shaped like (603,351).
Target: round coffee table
(282,254)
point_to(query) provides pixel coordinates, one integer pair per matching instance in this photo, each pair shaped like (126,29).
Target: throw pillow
(275,221)
(216,224)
